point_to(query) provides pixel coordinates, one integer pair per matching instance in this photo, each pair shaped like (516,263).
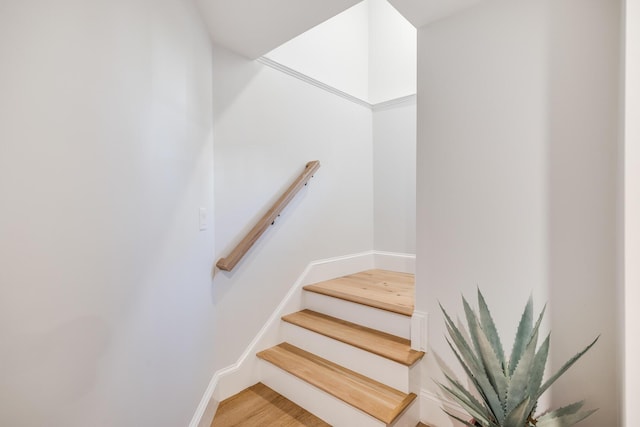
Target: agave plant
(508,390)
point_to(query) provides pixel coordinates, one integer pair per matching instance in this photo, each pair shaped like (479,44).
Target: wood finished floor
(259,406)
(386,290)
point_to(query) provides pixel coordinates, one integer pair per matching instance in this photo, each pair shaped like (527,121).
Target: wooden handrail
(227,263)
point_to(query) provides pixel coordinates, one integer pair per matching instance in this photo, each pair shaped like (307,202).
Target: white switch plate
(203,219)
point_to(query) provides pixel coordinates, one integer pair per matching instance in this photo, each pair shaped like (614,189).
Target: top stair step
(386,345)
(376,399)
(386,290)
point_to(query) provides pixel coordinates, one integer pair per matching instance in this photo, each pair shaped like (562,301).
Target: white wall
(335,52)
(392,53)
(394,177)
(517,174)
(632,212)
(267,126)
(105,158)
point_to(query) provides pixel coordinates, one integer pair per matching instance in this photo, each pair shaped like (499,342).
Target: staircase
(345,358)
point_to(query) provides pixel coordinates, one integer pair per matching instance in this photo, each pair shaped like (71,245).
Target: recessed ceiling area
(253,28)
(423,12)
(368,51)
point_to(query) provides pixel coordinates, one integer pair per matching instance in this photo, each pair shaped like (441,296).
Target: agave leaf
(470,359)
(567,420)
(537,371)
(460,341)
(518,384)
(482,412)
(474,368)
(490,329)
(494,371)
(522,335)
(540,316)
(527,369)
(482,384)
(518,416)
(562,370)
(472,322)
(536,327)
(467,401)
(565,410)
(565,416)
(492,366)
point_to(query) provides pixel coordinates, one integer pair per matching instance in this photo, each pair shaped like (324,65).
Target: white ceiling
(423,12)
(256,27)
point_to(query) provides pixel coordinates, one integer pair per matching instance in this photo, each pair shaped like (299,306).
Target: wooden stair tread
(376,399)
(386,345)
(386,290)
(259,406)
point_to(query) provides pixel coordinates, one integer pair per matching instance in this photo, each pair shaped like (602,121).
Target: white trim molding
(310,80)
(407,99)
(397,102)
(394,261)
(230,380)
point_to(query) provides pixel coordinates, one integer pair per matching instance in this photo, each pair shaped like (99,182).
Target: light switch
(203,219)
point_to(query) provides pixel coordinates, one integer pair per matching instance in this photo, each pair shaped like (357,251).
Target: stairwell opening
(368,54)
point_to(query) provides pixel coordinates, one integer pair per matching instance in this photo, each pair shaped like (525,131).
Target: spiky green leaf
(518,384)
(492,366)
(460,342)
(482,412)
(565,416)
(489,327)
(565,410)
(467,401)
(472,324)
(482,385)
(518,416)
(522,335)
(537,372)
(469,357)
(564,368)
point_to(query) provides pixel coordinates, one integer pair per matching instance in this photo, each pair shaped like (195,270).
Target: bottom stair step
(375,399)
(259,406)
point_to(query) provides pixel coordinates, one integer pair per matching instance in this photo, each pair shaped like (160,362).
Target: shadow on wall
(583,147)
(240,72)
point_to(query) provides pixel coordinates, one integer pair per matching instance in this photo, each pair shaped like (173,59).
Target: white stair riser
(368,364)
(321,404)
(382,320)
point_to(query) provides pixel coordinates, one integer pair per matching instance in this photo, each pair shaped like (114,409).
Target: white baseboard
(431,410)
(404,263)
(209,413)
(331,268)
(230,380)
